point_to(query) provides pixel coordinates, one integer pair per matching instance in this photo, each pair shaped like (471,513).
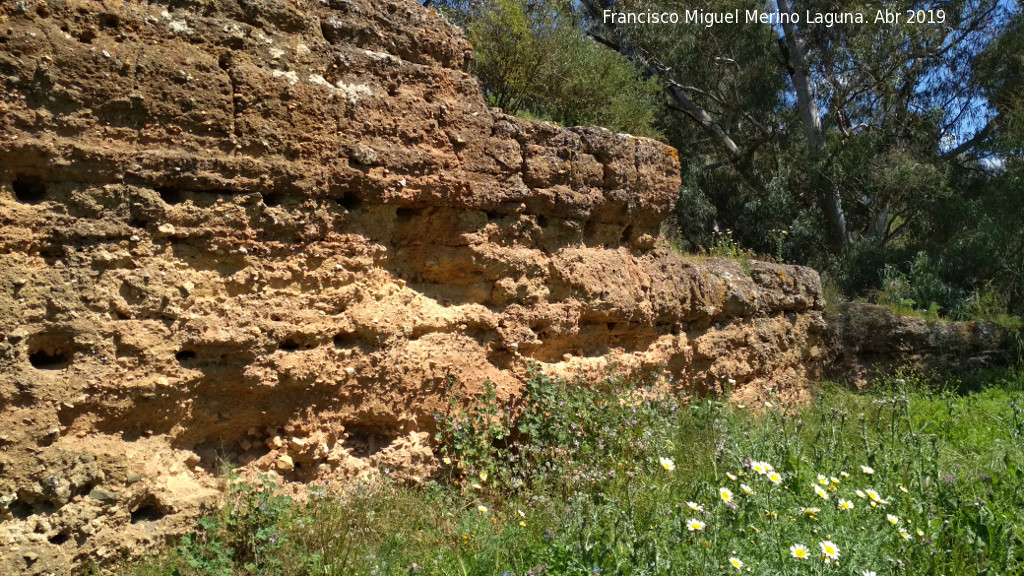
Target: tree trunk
(828,197)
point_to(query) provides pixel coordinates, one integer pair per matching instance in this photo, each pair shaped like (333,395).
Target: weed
(913,476)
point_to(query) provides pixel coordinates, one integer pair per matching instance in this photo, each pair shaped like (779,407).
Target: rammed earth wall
(266,233)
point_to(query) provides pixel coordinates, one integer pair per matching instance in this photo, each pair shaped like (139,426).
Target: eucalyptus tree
(851,121)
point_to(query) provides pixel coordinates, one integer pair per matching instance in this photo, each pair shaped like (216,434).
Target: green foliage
(472,430)
(532,60)
(609,477)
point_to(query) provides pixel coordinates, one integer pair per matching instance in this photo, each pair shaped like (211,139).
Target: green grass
(575,484)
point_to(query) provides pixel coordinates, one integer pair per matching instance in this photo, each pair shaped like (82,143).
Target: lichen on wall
(267,234)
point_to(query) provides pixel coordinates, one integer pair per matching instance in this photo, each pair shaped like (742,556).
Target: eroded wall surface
(265,233)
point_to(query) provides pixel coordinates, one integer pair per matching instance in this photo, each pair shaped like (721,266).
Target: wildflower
(845,504)
(810,511)
(904,534)
(919,533)
(521,513)
(860,494)
(867,470)
(830,550)
(695,507)
(477,486)
(483,476)
(482,508)
(730,476)
(869,573)
(799,551)
(736,563)
(834,480)
(874,496)
(759,467)
(820,492)
(767,404)
(822,480)
(844,474)
(775,477)
(902,488)
(447,461)
(746,489)
(522,523)
(667,464)
(726,494)
(894,520)
(694,525)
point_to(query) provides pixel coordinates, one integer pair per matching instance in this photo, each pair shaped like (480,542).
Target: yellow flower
(799,551)
(830,550)
(775,477)
(904,534)
(667,464)
(834,480)
(522,523)
(746,489)
(482,508)
(736,563)
(921,534)
(867,470)
(694,525)
(894,520)
(810,511)
(726,494)
(759,467)
(730,476)
(845,504)
(447,461)
(483,476)
(874,496)
(844,474)
(695,507)
(860,494)
(820,492)
(822,480)
(521,513)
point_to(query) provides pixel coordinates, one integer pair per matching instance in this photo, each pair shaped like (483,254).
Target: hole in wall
(289,346)
(171,195)
(60,538)
(626,234)
(350,202)
(50,360)
(185,356)
(346,340)
(271,199)
(20,509)
(148,511)
(29,189)
(405,214)
(50,350)
(109,20)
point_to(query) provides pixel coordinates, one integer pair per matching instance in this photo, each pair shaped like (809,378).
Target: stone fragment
(285,464)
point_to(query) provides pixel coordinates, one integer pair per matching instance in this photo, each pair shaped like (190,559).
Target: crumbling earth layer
(267,233)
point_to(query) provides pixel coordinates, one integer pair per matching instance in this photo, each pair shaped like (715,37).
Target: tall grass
(912,477)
